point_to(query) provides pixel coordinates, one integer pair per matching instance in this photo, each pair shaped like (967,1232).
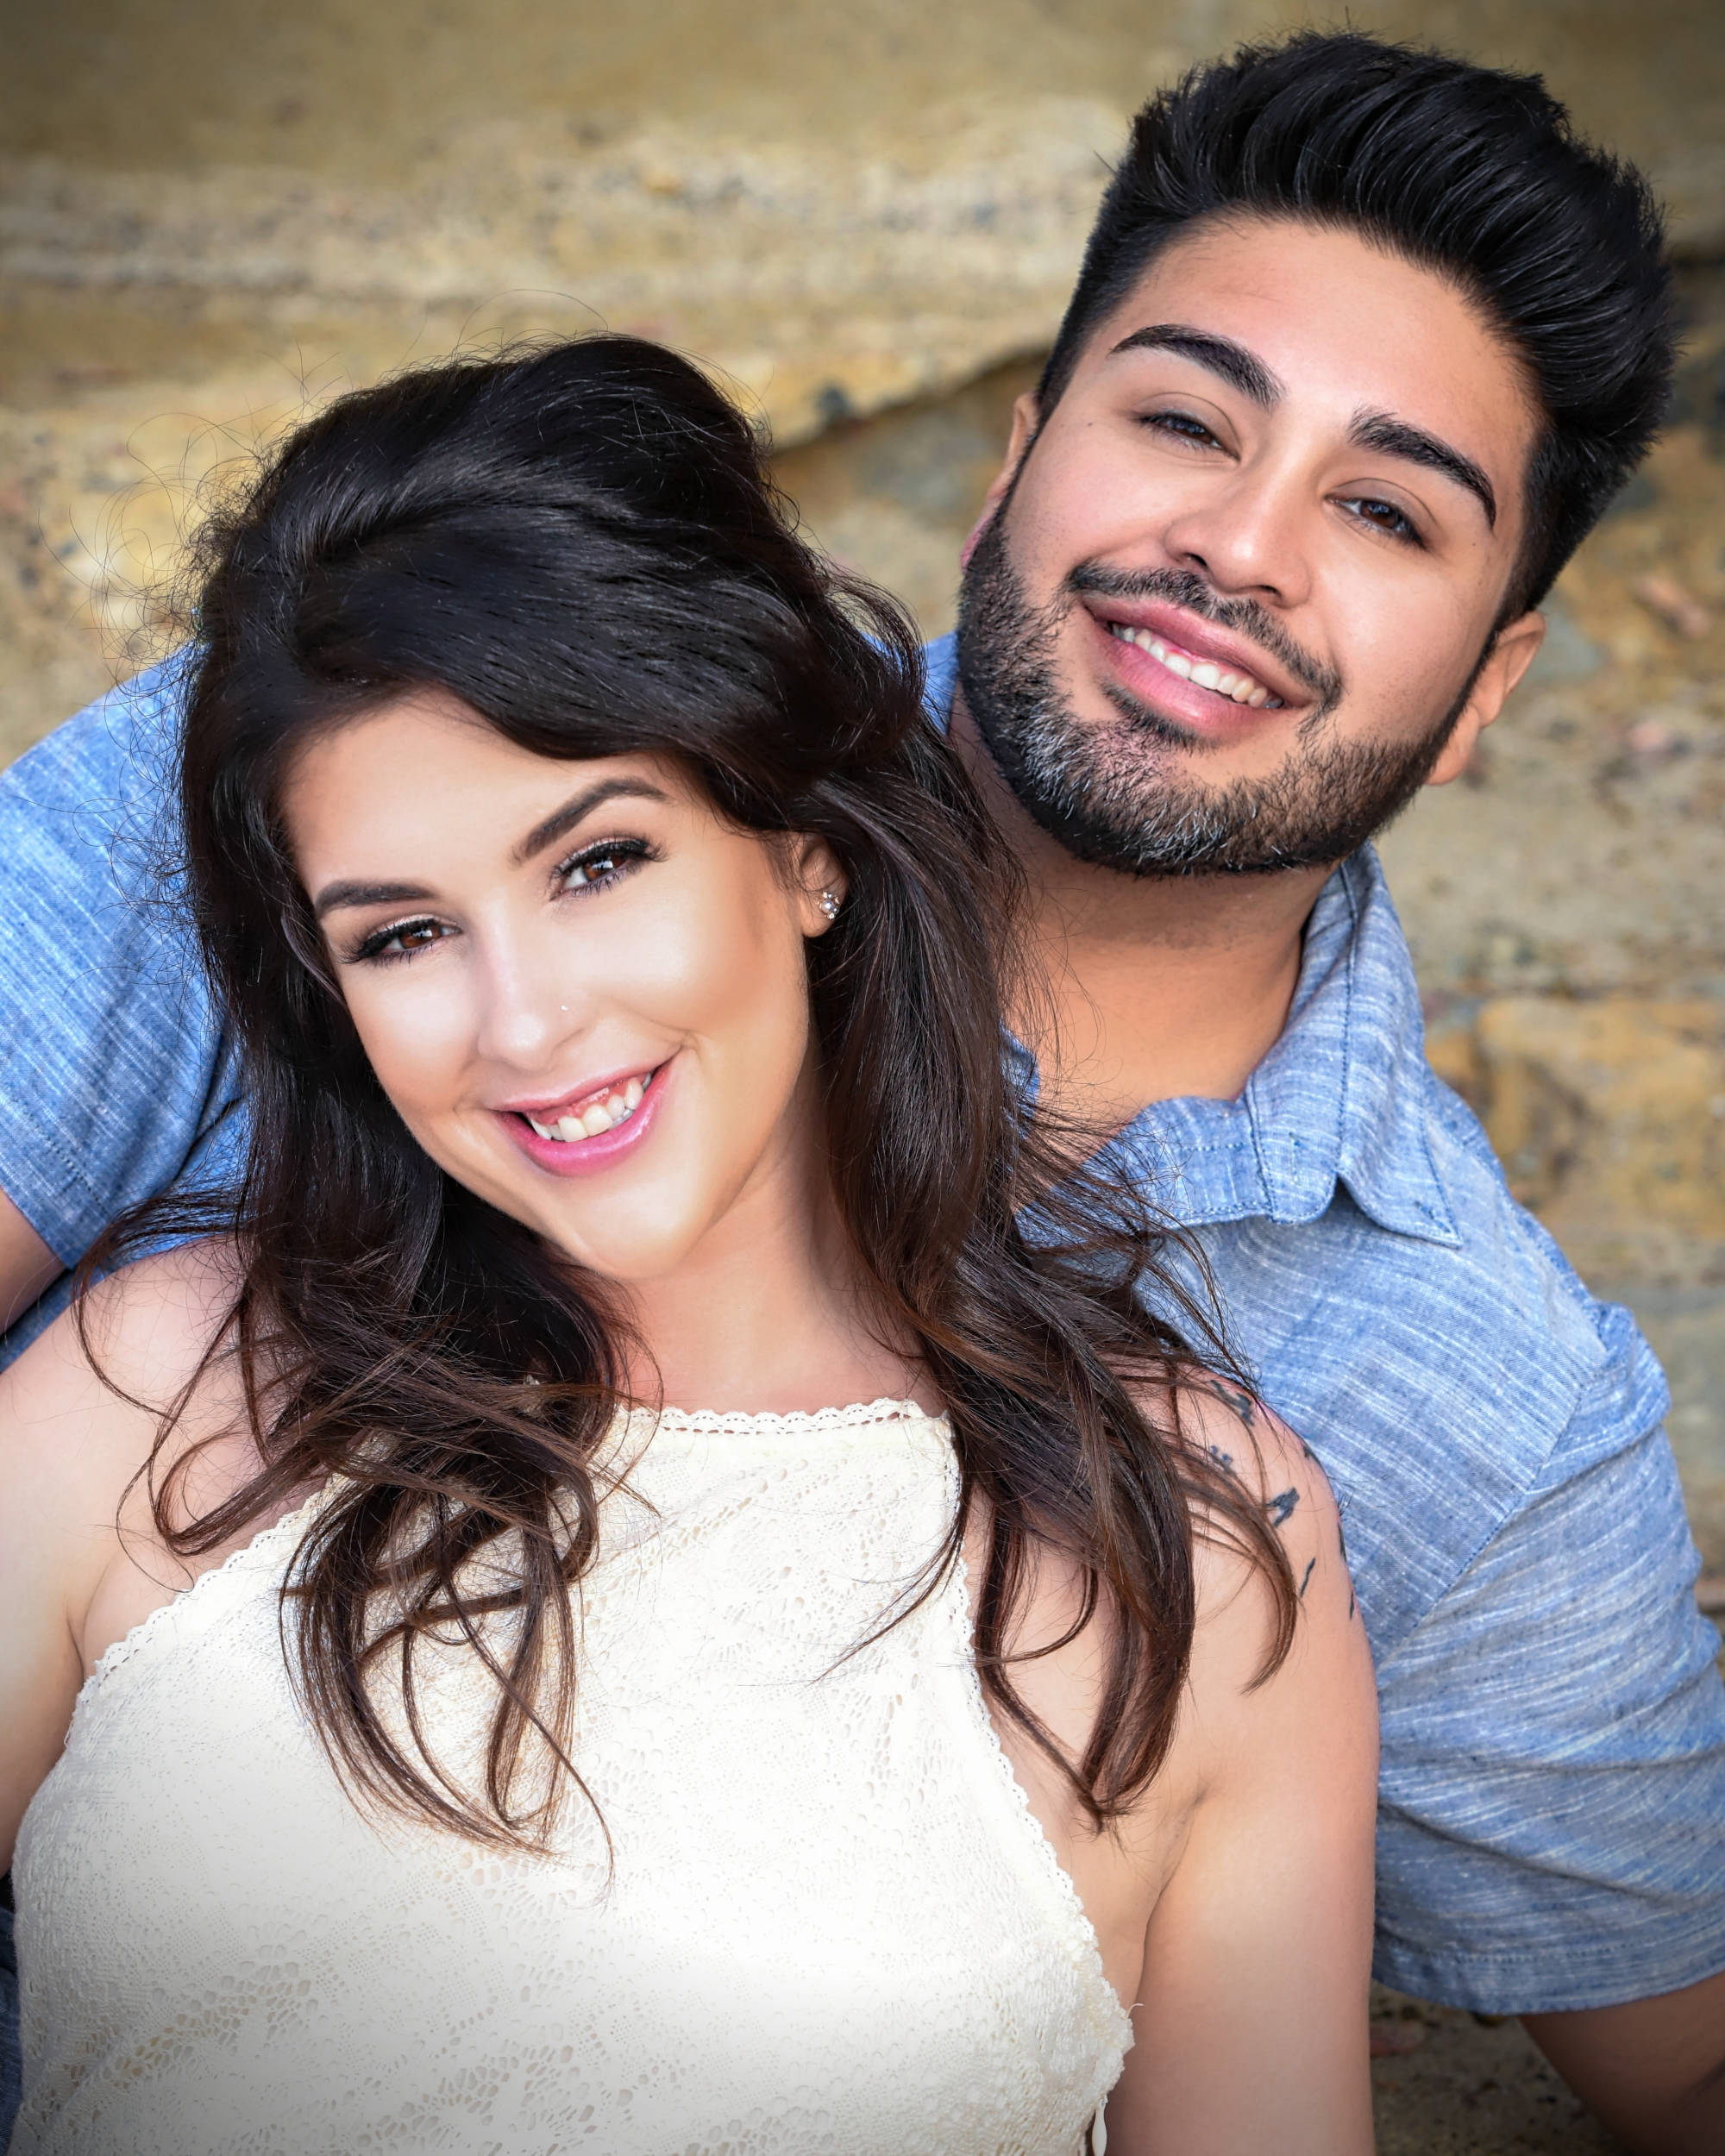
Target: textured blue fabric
(1551,1827)
(115,1080)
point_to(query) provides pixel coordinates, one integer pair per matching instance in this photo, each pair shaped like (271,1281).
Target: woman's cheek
(415,1035)
(698,961)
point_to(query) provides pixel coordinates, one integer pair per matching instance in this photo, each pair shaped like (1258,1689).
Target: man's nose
(1250,536)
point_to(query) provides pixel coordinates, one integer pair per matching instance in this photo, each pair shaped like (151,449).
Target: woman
(522,1701)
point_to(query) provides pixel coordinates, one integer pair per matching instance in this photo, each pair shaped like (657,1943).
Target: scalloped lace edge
(1082,1939)
(264,1540)
(735,1423)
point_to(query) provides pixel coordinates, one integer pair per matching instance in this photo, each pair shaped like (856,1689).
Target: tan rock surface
(209,214)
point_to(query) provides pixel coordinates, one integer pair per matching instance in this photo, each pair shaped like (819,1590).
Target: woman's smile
(593,1127)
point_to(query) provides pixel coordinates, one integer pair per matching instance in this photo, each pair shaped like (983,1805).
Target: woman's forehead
(425,768)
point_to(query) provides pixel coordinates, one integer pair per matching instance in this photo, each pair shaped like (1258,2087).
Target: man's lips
(1182,648)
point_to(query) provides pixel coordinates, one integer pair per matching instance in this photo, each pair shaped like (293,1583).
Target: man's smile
(1196,674)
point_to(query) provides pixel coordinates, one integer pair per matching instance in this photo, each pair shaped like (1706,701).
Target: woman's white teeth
(604,1114)
(1241,688)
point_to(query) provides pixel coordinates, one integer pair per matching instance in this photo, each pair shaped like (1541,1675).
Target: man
(1362,345)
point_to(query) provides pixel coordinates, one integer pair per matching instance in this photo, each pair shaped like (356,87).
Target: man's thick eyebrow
(583,804)
(1241,369)
(1395,438)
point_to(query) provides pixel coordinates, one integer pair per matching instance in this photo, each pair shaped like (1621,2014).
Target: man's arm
(115,1076)
(1552,1840)
(27,1265)
(1653,2070)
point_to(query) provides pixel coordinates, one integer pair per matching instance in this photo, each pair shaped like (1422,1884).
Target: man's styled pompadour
(1464,170)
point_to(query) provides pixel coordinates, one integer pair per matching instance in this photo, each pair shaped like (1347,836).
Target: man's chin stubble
(1114,795)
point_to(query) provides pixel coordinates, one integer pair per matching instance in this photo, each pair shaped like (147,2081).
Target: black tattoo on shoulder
(1231,1396)
(1281,1506)
(1306,1578)
(1223,1460)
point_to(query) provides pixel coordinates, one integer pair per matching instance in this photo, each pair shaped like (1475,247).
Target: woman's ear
(819,883)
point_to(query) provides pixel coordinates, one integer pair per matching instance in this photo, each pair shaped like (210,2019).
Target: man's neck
(1156,988)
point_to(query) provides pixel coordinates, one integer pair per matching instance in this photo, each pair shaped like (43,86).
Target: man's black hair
(1464,170)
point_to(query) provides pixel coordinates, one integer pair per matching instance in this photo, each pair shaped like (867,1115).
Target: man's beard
(1114,793)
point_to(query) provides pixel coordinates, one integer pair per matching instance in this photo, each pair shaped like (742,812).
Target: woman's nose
(526,1010)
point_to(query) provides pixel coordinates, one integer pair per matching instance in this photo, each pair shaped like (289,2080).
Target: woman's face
(583,992)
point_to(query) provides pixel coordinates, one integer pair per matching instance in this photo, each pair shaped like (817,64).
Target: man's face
(1235,602)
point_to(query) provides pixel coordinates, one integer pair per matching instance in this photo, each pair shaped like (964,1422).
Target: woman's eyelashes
(605,860)
(602,862)
(401,939)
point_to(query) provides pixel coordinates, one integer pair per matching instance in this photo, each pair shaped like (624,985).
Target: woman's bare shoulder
(92,1390)
(1253,1637)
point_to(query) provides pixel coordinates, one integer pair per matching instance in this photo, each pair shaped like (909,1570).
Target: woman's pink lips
(589,1156)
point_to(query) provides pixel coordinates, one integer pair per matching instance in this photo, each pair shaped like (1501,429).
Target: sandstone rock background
(866,216)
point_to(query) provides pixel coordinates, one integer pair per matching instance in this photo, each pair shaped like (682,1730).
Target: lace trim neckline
(860,1415)
(266,1539)
(734,1422)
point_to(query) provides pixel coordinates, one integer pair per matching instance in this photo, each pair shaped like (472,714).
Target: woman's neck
(771,1314)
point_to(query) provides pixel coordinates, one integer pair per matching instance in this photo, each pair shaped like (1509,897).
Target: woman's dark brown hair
(582,545)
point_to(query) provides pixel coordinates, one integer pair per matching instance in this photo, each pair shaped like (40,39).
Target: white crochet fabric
(833,1928)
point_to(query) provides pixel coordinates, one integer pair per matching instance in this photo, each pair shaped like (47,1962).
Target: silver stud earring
(829,904)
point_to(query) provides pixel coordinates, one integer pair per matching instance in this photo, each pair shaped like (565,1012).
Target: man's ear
(1026,418)
(1513,651)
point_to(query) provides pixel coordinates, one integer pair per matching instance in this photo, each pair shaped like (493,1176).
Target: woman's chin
(634,1257)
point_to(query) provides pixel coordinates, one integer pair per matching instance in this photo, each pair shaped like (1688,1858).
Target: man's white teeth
(1241,687)
(603,1114)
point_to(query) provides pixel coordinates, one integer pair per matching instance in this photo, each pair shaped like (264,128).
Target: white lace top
(832,1923)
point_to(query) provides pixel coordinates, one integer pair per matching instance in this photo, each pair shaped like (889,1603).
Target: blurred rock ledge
(826,279)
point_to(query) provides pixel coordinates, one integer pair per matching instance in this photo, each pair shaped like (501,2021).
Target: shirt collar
(1341,1098)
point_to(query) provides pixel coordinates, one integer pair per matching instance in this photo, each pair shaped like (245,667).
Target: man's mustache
(1240,616)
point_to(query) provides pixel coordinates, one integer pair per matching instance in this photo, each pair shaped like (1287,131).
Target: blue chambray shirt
(1551,1820)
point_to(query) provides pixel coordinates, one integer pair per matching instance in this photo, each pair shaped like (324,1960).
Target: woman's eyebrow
(334,896)
(583,804)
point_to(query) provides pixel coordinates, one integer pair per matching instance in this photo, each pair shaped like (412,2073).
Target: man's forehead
(1324,310)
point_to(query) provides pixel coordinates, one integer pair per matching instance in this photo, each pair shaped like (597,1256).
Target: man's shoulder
(1529,1361)
(88,815)
(1506,1253)
(1445,1380)
(117,746)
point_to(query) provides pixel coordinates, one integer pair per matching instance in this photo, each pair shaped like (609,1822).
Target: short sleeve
(116,1080)
(1551,1823)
